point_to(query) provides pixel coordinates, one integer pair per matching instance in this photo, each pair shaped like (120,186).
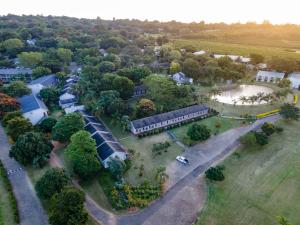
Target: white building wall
(120,155)
(36,116)
(295,82)
(36,88)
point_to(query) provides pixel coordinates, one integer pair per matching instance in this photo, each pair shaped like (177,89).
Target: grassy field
(6,215)
(226,124)
(144,156)
(238,49)
(261,183)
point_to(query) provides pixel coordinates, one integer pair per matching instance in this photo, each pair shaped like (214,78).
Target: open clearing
(261,183)
(237,49)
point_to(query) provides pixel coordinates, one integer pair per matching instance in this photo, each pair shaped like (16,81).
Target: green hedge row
(12,199)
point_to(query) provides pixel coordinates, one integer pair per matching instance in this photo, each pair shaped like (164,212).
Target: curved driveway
(181,177)
(30,208)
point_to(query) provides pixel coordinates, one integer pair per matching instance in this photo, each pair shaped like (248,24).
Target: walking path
(30,208)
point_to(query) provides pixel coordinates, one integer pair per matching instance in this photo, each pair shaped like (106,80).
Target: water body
(233,95)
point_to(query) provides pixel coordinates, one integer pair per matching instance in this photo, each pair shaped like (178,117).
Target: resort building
(295,79)
(10,74)
(43,82)
(168,119)
(107,146)
(33,108)
(180,78)
(267,76)
(67,100)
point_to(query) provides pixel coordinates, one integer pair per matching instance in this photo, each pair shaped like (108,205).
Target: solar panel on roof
(104,151)
(90,128)
(99,140)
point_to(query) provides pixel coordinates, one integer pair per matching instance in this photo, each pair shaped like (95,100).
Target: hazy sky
(277,11)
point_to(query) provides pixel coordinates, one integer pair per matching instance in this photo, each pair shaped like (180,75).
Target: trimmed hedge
(12,199)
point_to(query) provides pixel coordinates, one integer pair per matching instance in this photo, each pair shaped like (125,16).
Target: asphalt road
(202,157)
(30,208)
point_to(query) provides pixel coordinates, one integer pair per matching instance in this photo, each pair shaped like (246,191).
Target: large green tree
(67,208)
(40,71)
(124,86)
(289,112)
(65,55)
(191,68)
(18,126)
(66,126)
(30,59)
(50,96)
(52,182)
(198,132)
(31,148)
(17,89)
(116,168)
(12,46)
(83,155)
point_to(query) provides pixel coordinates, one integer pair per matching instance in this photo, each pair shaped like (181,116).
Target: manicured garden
(261,183)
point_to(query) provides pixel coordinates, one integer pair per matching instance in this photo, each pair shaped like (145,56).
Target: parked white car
(182,160)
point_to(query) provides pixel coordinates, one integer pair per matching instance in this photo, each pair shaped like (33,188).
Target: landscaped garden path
(182,196)
(30,208)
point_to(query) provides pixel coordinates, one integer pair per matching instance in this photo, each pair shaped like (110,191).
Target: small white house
(295,79)
(42,82)
(67,100)
(269,76)
(33,108)
(181,78)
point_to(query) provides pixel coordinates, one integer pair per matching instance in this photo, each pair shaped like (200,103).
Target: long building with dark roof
(9,74)
(168,119)
(107,146)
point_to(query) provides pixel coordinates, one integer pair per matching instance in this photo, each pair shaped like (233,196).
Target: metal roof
(147,121)
(31,102)
(15,71)
(45,80)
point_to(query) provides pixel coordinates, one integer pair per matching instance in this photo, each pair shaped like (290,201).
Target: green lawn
(144,156)
(226,124)
(261,183)
(6,212)
(238,49)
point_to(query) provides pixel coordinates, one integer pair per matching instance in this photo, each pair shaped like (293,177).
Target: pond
(233,96)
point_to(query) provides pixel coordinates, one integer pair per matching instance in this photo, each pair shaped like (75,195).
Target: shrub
(268,128)
(215,173)
(261,138)
(248,139)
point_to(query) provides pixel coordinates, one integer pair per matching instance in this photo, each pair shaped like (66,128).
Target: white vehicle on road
(182,160)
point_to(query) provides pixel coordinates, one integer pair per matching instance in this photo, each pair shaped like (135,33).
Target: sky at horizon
(228,11)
